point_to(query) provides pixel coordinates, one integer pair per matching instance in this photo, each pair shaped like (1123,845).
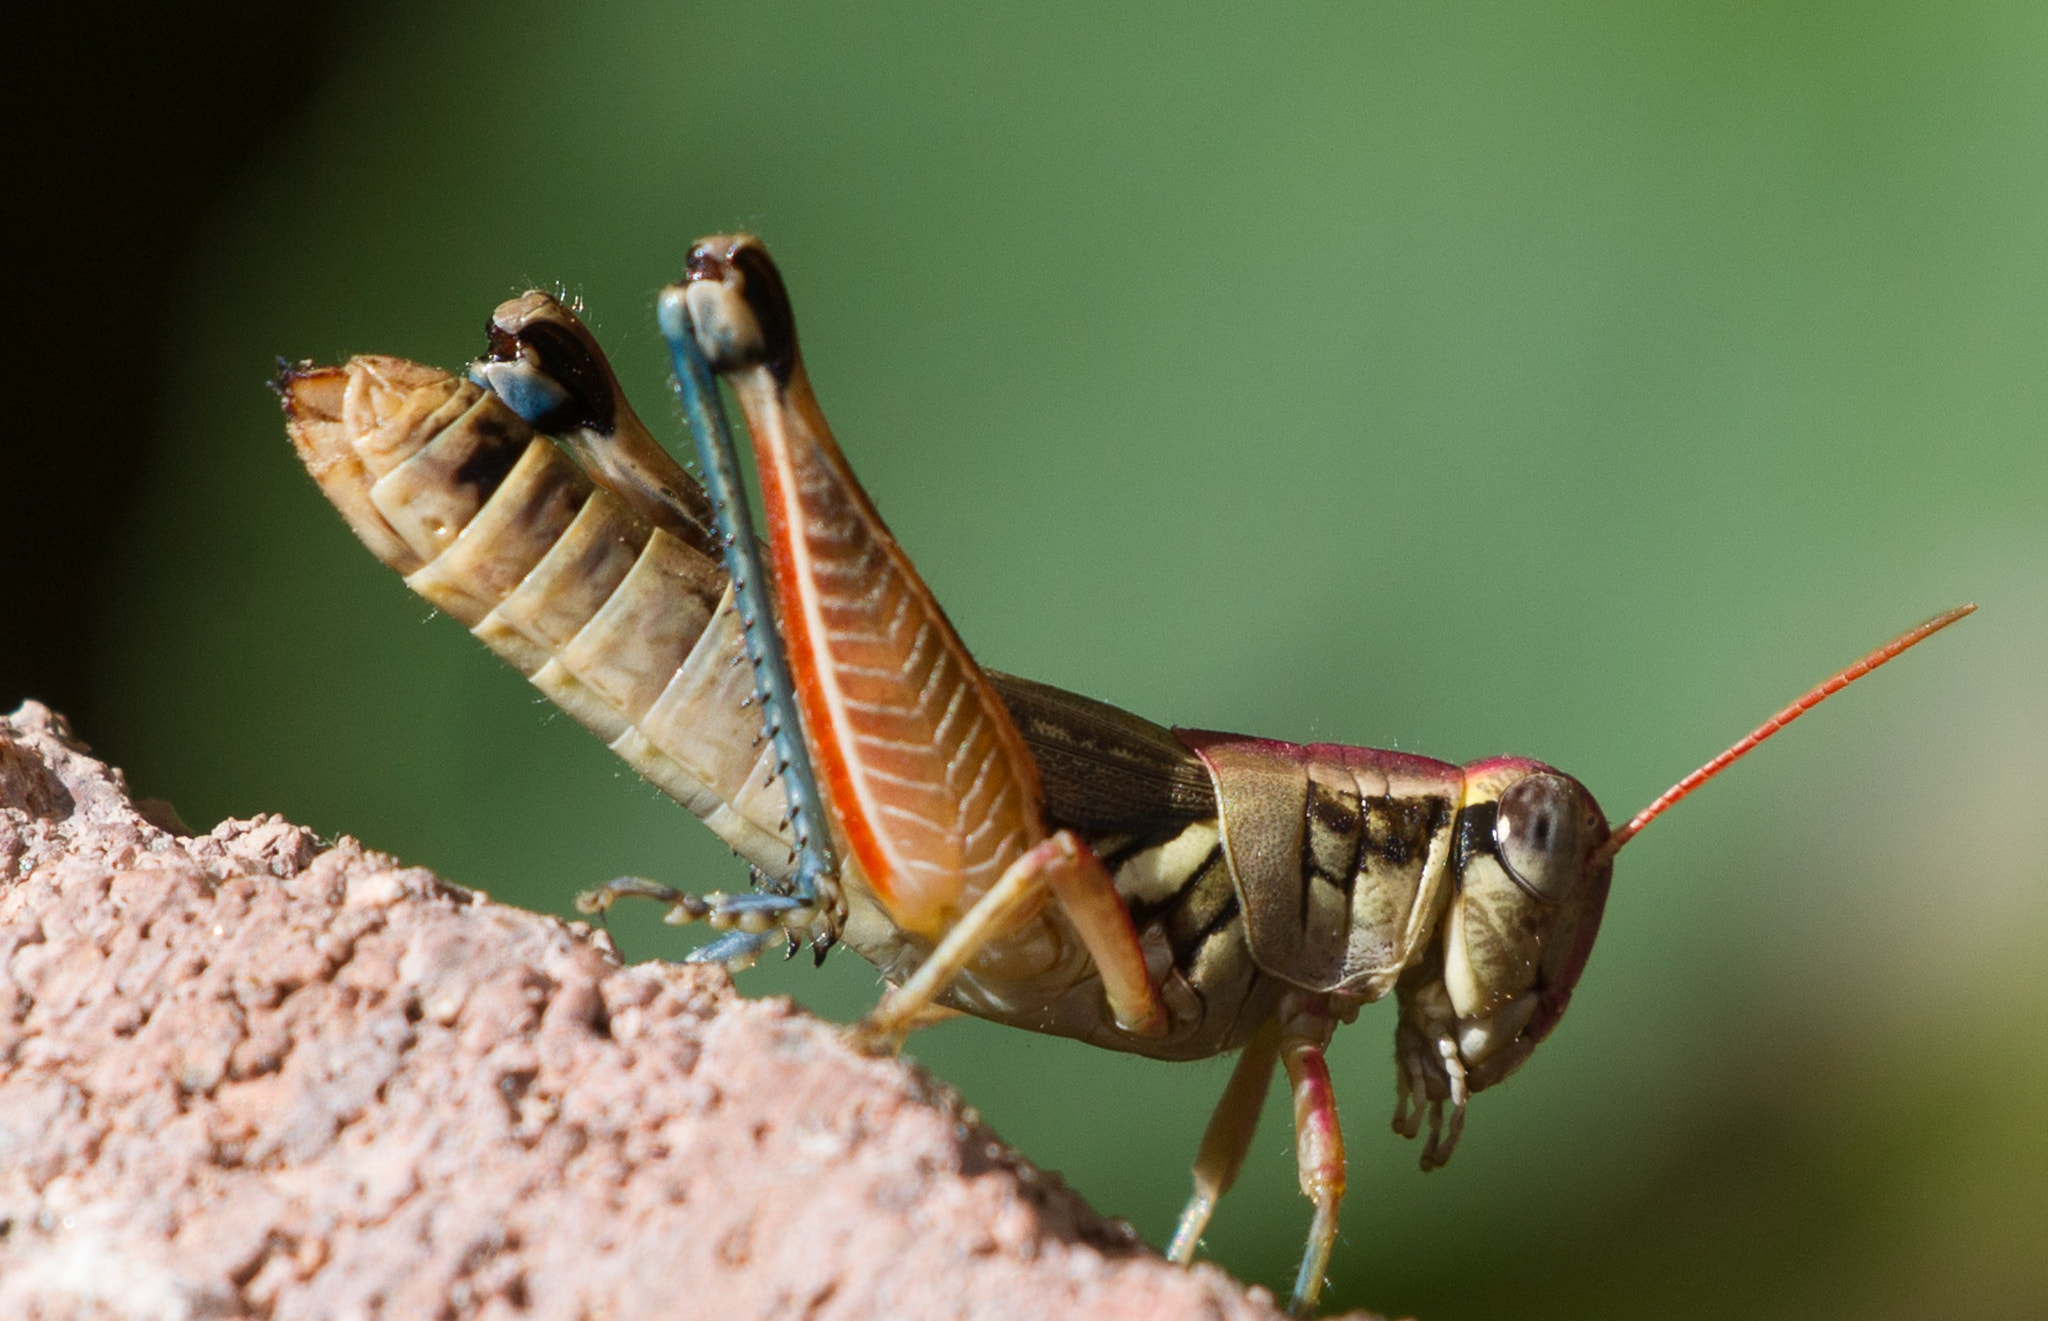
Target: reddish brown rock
(242,1075)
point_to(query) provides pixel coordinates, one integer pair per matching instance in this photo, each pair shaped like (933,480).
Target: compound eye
(1545,828)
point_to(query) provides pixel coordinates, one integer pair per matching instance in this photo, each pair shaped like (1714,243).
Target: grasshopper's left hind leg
(544,364)
(931,787)
(1067,869)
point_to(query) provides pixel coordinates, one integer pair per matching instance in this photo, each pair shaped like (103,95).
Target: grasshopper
(992,845)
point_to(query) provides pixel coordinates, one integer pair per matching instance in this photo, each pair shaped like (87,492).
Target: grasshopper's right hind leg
(745,922)
(544,364)
(933,791)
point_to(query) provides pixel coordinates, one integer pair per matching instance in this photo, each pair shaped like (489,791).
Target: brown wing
(1103,770)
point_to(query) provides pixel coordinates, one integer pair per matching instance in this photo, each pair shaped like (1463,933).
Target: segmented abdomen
(633,633)
(625,627)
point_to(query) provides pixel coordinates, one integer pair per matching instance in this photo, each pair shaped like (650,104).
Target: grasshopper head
(1529,879)
(1530,882)
(1530,870)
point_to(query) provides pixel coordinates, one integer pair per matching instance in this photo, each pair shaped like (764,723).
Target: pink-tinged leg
(1087,894)
(1318,1146)
(1228,1137)
(904,1008)
(1068,869)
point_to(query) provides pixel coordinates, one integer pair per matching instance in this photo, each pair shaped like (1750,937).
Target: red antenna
(1747,744)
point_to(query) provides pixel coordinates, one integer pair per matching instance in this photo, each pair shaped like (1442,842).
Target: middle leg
(1228,1138)
(1306,1024)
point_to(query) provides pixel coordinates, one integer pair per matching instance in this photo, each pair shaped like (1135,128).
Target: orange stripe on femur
(926,776)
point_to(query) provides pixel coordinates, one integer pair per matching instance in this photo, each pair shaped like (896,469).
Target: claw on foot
(884,1031)
(598,902)
(746,922)
(1422,1091)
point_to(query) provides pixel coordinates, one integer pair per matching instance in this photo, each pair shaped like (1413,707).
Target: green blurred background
(1572,380)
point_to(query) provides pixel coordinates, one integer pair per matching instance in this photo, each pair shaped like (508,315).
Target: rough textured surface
(243,1075)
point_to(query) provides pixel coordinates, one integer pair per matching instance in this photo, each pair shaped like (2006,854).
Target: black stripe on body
(1116,850)
(1475,835)
(1330,847)
(1360,862)
(501,439)
(1204,905)
(1398,830)
(1221,990)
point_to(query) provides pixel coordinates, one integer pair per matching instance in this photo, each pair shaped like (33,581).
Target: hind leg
(1065,868)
